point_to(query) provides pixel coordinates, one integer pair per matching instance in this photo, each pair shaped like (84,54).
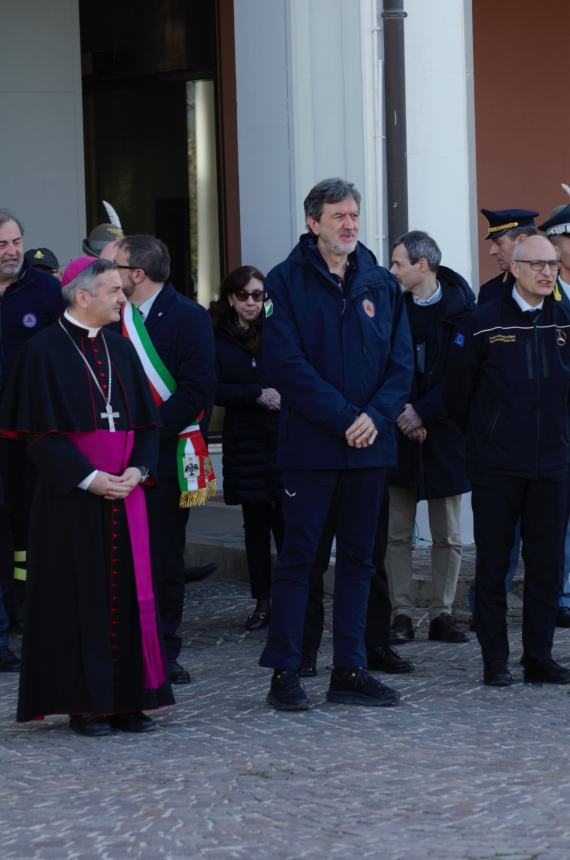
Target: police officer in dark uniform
(557,228)
(337,346)
(30,300)
(506,227)
(508,384)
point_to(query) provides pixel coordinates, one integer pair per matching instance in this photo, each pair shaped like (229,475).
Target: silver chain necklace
(108,414)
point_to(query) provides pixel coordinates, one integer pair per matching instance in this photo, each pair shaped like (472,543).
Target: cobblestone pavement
(456,771)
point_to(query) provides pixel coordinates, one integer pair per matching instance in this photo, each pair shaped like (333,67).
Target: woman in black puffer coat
(251,422)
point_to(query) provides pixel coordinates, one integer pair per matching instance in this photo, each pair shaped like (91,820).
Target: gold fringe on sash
(195,498)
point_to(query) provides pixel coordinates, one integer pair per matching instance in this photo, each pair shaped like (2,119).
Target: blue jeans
(565,596)
(513,564)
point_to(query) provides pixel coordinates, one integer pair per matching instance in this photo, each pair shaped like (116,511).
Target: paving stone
(458,771)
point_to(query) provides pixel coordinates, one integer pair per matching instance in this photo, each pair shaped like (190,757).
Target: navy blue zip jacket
(333,355)
(508,384)
(436,468)
(29,305)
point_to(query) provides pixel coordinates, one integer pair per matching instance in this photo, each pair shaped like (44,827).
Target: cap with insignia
(558,222)
(42,258)
(504,220)
(100,236)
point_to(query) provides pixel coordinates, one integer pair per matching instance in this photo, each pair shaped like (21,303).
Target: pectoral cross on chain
(110,416)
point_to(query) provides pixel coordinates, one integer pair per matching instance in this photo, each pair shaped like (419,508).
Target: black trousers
(18,476)
(168,538)
(541,505)
(260,521)
(377,633)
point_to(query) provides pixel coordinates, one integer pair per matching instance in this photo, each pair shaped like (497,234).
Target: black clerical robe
(82,650)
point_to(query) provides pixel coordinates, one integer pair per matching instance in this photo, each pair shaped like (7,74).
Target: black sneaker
(287,692)
(386,659)
(546,672)
(354,686)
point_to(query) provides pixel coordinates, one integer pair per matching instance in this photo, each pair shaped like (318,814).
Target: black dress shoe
(497,675)
(563,617)
(136,721)
(386,659)
(90,725)
(8,661)
(444,629)
(402,630)
(353,686)
(177,674)
(287,692)
(308,667)
(257,620)
(546,672)
(197,574)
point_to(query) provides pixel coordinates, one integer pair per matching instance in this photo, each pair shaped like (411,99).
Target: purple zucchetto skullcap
(74,268)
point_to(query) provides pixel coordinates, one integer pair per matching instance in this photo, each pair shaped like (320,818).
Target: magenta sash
(110,452)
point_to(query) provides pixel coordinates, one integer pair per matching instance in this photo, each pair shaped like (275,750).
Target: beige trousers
(446,551)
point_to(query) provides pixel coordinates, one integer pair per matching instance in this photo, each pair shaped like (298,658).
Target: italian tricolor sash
(195,472)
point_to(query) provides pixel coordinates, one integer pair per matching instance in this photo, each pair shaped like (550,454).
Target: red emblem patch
(369,308)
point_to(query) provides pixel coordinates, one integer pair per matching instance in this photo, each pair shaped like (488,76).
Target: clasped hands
(362,433)
(411,425)
(113,487)
(269,399)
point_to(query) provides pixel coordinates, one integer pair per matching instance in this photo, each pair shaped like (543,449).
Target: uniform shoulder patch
(459,339)
(268,307)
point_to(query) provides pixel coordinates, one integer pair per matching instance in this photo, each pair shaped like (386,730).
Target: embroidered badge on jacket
(369,308)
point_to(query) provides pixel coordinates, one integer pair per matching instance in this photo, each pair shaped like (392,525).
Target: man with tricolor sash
(173,338)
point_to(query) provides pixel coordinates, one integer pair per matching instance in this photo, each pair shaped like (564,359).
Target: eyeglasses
(243,295)
(538,265)
(126,267)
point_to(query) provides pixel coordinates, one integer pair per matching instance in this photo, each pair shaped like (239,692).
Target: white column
(206,193)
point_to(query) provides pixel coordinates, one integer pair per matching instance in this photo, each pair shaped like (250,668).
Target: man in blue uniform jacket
(508,384)
(337,347)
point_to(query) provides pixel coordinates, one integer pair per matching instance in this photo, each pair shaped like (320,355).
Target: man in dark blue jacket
(508,384)
(30,300)
(431,447)
(337,347)
(181,332)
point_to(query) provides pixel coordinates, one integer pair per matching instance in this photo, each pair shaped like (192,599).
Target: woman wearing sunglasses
(251,421)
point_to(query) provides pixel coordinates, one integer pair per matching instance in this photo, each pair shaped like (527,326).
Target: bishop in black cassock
(80,398)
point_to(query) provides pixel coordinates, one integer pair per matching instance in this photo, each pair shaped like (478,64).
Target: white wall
(41,138)
(301,114)
(441,128)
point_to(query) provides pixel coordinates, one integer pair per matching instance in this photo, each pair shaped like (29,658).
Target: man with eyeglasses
(174,338)
(507,384)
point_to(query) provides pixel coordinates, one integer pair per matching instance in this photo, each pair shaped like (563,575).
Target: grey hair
(329,191)
(6,215)
(419,244)
(519,249)
(87,280)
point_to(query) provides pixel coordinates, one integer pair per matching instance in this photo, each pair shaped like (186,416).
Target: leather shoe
(444,629)
(90,725)
(197,574)
(177,674)
(401,630)
(308,667)
(257,620)
(546,672)
(497,675)
(8,661)
(135,721)
(386,659)
(563,617)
